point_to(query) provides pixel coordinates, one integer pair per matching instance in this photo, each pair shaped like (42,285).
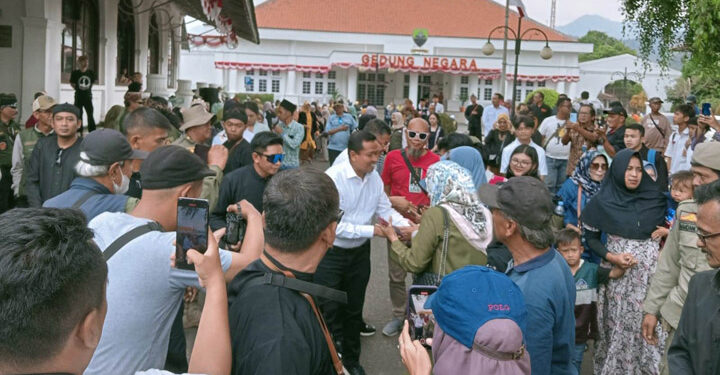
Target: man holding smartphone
(145,293)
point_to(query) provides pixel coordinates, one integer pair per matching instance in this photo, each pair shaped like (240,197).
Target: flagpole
(503,80)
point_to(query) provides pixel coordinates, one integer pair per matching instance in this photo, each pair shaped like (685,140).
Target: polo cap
(472,296)
(8,100)
(526,199)
(107,146)
(171,166)
(707,154)
(195,116)
(655,100)
(67,107)
(288,105)
(43,103)
(234,110)
(617,110)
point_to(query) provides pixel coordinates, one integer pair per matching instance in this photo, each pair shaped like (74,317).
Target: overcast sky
(570,10)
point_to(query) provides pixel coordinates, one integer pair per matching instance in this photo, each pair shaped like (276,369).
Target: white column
(572,91)
(352,78)
(291,85)
(453,101)
(560,88)
(157,85)
(413,92)
(184,92)
(34,37)
(231,85)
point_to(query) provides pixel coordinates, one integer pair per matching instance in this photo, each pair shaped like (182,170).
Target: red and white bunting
(541,78)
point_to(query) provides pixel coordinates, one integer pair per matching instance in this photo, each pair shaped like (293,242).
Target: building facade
(366,51)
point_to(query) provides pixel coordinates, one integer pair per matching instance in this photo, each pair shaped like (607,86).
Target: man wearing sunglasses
(9,129)
(694,349)
(407,193)
(681,257)
(249,181)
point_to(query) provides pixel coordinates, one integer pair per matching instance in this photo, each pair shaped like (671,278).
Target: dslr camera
(236,226)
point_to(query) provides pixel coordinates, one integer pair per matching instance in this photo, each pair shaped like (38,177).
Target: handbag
(429,277)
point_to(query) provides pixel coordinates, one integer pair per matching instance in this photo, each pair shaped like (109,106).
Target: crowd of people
(540,229)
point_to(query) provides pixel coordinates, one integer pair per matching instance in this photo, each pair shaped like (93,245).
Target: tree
(666,26)
(603,46)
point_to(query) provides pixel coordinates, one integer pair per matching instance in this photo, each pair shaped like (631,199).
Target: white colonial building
(40,41)
(365,50)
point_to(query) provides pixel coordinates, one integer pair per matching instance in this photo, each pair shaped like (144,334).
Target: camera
(236,226)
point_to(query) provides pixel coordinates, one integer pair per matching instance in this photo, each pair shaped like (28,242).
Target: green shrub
(551,96)
(263,97)
(448,124)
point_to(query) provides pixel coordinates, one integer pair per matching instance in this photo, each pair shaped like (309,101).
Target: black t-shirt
(243,183)
(617,138)
(274,330)
(83,81)
(135,86)
(542,112)
(240,155)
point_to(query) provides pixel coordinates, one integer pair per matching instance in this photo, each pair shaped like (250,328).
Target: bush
(448,124)
(551,96)
(263,97)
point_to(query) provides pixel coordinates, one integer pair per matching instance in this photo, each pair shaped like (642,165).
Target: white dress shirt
(508,150)
(361,199)
(675,150)
(489,116)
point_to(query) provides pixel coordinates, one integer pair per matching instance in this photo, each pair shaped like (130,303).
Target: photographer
(249,181)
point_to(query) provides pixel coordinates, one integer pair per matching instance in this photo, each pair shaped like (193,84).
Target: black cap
(107,146)
(67,107)
(8,100)
(171,166)
(617,110)
(525,199)
(288,105)
(234,110)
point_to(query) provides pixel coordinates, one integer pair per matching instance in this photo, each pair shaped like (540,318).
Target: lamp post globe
(546,53)
(488,49)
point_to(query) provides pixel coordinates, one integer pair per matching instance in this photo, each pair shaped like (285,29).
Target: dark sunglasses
(419,135)
(274,158)
(597,166)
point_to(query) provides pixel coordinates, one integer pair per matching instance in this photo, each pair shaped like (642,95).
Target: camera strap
(287,280)
(134,233)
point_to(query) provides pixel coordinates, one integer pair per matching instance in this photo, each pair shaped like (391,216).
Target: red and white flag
(520,6)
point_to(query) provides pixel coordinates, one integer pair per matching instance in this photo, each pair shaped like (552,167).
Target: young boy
(675,152)
(588,276)
(681,188)
(634,139)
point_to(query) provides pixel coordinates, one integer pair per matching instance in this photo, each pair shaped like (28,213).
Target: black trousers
(176,360)
(7,196)
(347,270)
(85,101)
(332,155)
(475,129)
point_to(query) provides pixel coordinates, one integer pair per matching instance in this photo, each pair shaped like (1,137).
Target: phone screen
(706,109)
(192,229)
(573,117)
(421,321)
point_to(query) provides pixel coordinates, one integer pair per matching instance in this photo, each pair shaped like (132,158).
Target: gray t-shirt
(143,296)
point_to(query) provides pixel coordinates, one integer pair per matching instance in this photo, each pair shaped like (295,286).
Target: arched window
(125,41)
(79,35)
(154,46)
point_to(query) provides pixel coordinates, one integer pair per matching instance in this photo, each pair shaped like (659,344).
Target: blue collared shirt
(339,140)
(549,290)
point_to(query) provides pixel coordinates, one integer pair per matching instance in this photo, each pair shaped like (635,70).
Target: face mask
(124,185)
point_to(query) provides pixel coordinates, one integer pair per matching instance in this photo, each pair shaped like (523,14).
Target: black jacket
(243,183)
(696,346)
(240,155)
(52,169)
(274,330)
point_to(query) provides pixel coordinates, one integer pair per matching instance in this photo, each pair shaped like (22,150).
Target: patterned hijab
(581,176)
(451,186)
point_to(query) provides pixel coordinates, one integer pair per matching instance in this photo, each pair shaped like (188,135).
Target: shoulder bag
(129,236)
(429,277)
(415,178)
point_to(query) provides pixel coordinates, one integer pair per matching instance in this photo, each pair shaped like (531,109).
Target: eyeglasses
(274,158)
(596,166)
(703,237)
(340,215)
(418,135)
(522,163)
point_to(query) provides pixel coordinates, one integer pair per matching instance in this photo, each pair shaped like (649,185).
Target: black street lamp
(546,53)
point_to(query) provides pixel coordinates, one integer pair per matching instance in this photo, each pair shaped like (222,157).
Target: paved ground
(379,353)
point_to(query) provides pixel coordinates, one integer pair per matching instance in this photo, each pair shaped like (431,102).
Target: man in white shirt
(346,266)
(556,153)
(523,133)
(439,107)
(491,112)
(254,124)
(675,153)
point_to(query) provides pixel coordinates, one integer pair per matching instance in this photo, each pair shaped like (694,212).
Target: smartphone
(421,321)
(706,109)
(192,229)
(573,117)
(202,151)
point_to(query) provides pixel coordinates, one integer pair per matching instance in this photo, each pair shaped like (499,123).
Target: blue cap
(472,296)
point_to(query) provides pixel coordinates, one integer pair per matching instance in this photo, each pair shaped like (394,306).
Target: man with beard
(405,187)
(104,169)
(52,164)
(235,122)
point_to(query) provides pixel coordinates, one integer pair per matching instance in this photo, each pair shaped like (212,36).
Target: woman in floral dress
(627,208)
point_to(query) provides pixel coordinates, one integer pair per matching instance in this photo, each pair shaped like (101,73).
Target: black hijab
(632,214)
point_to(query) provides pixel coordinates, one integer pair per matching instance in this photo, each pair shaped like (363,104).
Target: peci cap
(234,110)
(288,105)
(707,154)
(171,166)
(526,199)
(107,146)
(472,296)
(617,110)
(195,116)
(8,100)
(43,103)
(67,107)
